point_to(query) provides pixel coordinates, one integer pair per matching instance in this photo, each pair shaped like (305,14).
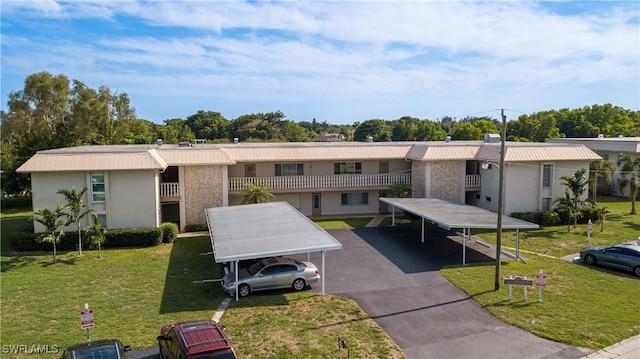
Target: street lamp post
(500,201)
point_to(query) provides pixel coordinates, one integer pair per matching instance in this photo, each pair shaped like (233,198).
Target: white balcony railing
(170,189)
(472,181)
(311,182)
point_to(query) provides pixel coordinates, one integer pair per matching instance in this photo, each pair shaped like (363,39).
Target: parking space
(396,280)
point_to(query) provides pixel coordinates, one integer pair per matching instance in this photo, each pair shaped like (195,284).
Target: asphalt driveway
(396,280)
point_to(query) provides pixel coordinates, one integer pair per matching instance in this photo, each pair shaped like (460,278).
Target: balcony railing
(316,182)
(472,181)
(170,189)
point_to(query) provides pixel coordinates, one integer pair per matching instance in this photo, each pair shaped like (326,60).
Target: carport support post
(323,272)
(393,215)
(235,269)
(422,236)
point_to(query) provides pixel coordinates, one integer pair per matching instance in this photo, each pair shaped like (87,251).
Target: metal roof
(93,161)
(317,151)
(450,214)
(629,145)
(194,156)
(264,230)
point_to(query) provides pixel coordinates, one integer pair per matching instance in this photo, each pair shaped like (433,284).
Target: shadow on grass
(186,265)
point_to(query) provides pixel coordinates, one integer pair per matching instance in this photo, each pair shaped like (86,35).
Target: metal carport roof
(452,215)
(265,230)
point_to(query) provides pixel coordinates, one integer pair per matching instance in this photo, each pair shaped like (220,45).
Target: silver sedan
(271,273)
(623,256)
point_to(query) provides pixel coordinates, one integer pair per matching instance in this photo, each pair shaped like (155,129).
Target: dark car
(199,339)
(103,349)
(623,256)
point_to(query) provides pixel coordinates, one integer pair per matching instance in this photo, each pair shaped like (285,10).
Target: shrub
(550,218)
(169,232)
(16,202)
(196,227)
(133,237)
(533,217)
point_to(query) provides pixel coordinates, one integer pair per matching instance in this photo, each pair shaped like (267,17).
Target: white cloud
(301,52)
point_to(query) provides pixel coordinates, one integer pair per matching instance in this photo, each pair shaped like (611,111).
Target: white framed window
(347,168)
(289,169)
(97,188)
(546,204)
(355,198)
(102,219)
(547,171)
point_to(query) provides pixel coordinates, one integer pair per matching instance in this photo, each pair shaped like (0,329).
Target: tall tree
(209,125)
(379,130)
(630,173)
(604,170)
(574,200)
(75,210)
(51,220)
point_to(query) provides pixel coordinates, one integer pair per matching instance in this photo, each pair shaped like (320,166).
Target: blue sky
(335,61)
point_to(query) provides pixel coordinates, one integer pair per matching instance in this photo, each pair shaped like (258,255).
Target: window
(97,188)
(546,204)
(353,199)
(546,175)
(102,219)
(289,169)
(347,167)
(487,198)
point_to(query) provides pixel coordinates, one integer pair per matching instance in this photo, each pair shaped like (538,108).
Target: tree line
(52,111)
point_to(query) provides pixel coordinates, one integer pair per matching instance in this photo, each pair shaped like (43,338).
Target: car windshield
(105,352)
(222,355)
(255,268)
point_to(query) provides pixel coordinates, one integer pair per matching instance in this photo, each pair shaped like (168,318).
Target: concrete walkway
(626,349)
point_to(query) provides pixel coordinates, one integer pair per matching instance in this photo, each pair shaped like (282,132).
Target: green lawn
(582,306)
(134,292)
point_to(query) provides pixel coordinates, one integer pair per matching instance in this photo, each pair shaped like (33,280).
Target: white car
(271,273)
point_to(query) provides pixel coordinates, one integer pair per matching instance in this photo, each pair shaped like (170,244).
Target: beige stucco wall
(131,196)
(204,187)
(132,199)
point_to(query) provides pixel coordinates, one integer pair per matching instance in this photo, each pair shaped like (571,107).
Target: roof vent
(600,135)
(235,140)
(159,142)
(184,144)
(447,139)
(370,139)
(491,138)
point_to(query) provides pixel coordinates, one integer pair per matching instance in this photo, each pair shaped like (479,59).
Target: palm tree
(573,201)
(51,220)
(400,190)
(76,209)
(565,204)
(600,169)
(630,167)
(97,234)
(257,193)
(602,214)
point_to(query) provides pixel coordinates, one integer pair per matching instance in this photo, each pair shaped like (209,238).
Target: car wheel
(636,270)
(244,290)
(590,259)
(299,284)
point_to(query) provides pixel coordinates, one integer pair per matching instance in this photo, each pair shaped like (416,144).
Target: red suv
(204,339)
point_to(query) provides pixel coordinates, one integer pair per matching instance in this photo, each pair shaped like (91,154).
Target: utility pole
(500,200)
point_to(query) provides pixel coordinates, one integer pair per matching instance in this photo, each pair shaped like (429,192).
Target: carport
(265,230)
(455,215)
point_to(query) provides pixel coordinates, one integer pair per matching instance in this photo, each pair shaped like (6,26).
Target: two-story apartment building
(145,185)
(610,149)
